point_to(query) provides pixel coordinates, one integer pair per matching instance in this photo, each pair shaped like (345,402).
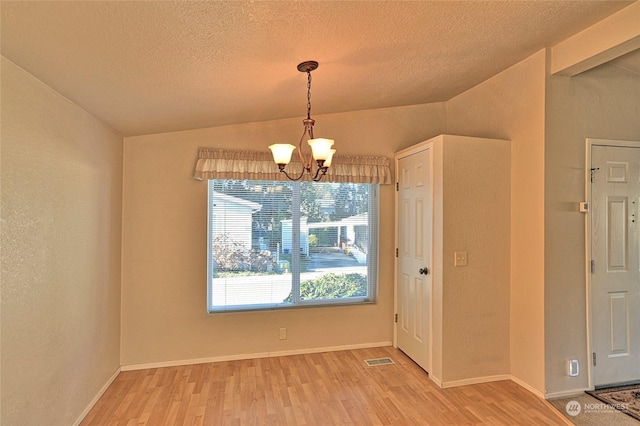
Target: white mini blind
(275,244)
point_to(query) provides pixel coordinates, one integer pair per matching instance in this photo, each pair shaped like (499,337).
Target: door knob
(424,271)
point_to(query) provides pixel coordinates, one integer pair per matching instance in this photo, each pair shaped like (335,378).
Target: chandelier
(321,150)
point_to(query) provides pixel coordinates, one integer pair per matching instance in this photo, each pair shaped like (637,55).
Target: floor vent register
(378,361)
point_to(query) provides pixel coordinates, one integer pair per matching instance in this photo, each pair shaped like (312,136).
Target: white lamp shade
(282,152)
(327,162)
(321,148)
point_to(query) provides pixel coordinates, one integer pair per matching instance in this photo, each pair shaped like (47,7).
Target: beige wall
(601,103)
(61,226)
(164,315)
(511,106)
(476,297)
(470,303)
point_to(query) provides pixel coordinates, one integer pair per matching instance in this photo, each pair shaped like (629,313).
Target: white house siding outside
(233,215)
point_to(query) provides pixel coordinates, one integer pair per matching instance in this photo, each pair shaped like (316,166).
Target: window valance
(216,163)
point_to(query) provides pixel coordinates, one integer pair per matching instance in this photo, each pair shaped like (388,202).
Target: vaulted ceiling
(155,66)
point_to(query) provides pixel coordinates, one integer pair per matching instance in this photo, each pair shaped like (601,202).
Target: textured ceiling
(149,66)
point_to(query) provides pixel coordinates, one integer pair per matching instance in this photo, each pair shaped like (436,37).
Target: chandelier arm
(319,176)
(290,177)
(305,165)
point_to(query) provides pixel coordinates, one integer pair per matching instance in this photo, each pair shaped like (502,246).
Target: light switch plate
(460,258)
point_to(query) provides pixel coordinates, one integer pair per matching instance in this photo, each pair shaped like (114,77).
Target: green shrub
(333,286)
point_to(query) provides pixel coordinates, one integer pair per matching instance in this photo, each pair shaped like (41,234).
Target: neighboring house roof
(255,207)
(359,219)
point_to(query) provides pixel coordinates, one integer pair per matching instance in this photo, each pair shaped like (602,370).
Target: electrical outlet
(283,333)
(460,258)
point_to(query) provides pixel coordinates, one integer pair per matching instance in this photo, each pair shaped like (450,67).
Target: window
(275,244)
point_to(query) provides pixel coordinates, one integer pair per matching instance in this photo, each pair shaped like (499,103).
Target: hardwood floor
(315,389)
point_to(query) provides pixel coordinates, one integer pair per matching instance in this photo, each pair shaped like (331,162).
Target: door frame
(590,143)
(414,149)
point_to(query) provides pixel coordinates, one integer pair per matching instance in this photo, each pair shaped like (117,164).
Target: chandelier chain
(308,94)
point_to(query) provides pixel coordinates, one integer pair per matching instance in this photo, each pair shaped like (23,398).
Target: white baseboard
(546,396)
(251,356)
(96,398)
(528,387)
(564,394)
(435,380)
(475,380)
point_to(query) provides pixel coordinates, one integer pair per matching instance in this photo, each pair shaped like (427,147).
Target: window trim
(372,265)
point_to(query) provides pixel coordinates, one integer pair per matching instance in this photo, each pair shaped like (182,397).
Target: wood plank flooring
(316,389)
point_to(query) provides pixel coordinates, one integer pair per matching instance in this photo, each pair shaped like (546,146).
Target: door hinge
(397,252)
(593,356)
(395,319)
(593,266)
(593,173)
(397,186)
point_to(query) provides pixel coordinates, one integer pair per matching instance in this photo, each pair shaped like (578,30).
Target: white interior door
(414,256)
(615,279)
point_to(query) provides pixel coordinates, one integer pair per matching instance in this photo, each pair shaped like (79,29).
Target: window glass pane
(280,244)
(337,229)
